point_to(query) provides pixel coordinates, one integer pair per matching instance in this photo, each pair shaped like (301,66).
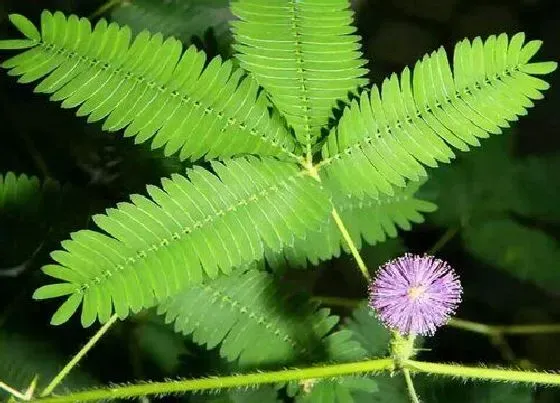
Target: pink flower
(415,294)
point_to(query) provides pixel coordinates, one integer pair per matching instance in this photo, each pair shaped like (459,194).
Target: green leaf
(489,182)
(29,213)
(394,130)
(374,339)
(190,229)
(25,26)
(437,390)
(66,310)
(258,322)
(152,89)
(368,331)
(369,221)
(478,185)
(54,291)
(539,68)
(538,197)
(14,44)
(159,343)
(340,390)
(305,54)
(525,253)
(390,389)
(19,192)
(182,19)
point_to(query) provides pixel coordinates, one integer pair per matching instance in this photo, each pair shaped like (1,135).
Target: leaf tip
(25,26)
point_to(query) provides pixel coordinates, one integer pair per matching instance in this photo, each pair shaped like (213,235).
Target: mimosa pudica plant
(279,179)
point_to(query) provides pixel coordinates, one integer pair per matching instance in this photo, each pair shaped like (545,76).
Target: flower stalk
(76,359)
(351,245)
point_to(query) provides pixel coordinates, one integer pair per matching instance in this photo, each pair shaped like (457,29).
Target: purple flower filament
(415,294)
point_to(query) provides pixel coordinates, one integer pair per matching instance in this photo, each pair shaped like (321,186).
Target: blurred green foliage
(502,202)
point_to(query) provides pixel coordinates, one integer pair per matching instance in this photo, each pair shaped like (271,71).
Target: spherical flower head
(415,294)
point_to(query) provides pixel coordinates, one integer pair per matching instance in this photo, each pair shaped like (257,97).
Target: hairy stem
(159,388)
(499,341)
(351,244)
(338,301)
(402,349)
(482,373)
(329,371)
(84,350)
(410,386)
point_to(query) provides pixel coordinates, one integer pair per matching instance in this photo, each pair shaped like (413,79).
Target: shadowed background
(506,268)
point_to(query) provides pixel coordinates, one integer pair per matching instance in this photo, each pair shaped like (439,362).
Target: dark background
(99,169)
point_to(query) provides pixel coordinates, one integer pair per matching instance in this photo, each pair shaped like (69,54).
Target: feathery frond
(182,19)
(372,335)
(373,338)
(19,192)
(526,253)
(191,228)
(163,348)
(391,388)
(150,87)
(28,210)
(304,53)
(491,182)
(413,121)
(479,184)
(258,322)
(371,220)
(538,198)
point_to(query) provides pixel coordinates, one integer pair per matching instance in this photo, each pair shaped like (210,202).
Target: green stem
(499,341)
(329,371)
(410,386)
(441,242)
(236,381)
(312,171)
(84,350)
(13,391)
(482,373)
(528,329)
(504,329)
(402,349)
(353,249)
(105,7)
(468,325)
(338,301)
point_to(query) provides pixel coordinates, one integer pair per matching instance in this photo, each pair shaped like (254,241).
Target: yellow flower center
(415,292)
